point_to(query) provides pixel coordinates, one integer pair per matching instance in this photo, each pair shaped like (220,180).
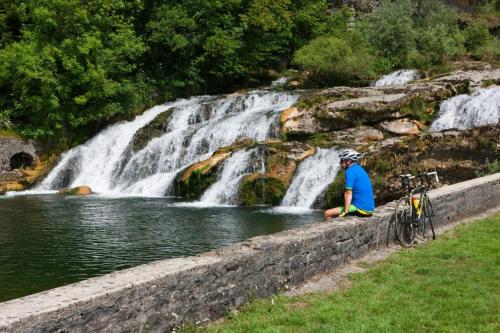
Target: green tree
(390,30)
(74,65)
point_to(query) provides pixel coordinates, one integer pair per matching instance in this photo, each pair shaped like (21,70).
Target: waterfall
(397,78)
(94,162)
(195,129)
(468,111)
(280,82)
(225,190)
(312,177)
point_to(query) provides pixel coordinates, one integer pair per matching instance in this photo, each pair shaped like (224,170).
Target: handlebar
(409,176)
(433,173)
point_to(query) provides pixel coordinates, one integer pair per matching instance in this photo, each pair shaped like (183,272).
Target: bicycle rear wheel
(405,231)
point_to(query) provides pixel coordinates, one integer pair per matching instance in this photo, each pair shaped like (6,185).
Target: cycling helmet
(350,154)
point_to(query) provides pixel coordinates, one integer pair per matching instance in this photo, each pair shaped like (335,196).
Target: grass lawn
(449,285)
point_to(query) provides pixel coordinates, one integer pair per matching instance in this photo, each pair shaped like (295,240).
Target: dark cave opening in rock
(21,160)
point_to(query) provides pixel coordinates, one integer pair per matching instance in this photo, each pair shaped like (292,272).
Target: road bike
(414,210)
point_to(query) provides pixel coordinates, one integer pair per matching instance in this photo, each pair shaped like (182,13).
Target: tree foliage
(67,66)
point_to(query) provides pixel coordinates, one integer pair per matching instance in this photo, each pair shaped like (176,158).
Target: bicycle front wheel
(427,228)
(405,231)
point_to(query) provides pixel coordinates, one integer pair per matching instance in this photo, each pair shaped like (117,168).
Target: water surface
(49,241)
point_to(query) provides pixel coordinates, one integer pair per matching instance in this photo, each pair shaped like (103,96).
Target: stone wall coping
(444,190)
(53,299)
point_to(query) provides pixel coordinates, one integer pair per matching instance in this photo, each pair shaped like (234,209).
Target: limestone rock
(261,189)
(9,176)
(79,191)
(152,130)
(456,156)
(195,179)
(199,176)
(351,137)
(474,77)
(401,126)
(281,161)
(340,108)
(12,150)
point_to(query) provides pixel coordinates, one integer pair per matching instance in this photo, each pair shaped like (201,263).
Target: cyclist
(358,195)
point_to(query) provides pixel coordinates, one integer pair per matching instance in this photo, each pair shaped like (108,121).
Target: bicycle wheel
(426,227)
(405,231)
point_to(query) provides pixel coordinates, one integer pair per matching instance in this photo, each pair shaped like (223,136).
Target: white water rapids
(196,128)
(468,111)
(225,190)
(312,177)
(397,78)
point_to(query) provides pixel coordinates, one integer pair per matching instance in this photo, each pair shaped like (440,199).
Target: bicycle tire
(405,231)
(428,227)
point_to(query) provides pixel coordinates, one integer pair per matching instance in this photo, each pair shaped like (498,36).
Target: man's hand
(343,214)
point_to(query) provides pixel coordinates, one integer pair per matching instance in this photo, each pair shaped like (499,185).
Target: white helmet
(350,154)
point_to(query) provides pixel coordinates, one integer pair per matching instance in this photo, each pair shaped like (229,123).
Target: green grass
(449,285)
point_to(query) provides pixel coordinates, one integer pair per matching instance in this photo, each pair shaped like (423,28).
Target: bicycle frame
(414,215)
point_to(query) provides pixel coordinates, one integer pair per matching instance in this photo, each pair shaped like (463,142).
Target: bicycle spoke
(405,230)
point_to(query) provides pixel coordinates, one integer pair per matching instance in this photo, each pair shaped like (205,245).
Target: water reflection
(48,241)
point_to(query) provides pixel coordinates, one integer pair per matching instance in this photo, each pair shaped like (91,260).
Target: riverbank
(447,285)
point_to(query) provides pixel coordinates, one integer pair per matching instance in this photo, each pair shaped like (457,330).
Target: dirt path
(337,279)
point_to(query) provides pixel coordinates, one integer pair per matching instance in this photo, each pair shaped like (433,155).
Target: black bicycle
(414,211)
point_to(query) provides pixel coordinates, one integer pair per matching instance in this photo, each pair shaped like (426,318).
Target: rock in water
(80,190)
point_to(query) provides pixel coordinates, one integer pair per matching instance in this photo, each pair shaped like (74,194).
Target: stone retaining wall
(161,295)
(12,146)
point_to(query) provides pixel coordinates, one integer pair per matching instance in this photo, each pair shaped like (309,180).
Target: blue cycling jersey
(357,180)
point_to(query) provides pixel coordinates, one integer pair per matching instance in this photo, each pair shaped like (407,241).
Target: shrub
(439,43)
(490,51)
(334,60)
(476,35)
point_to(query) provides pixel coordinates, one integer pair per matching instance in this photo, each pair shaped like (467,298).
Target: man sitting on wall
(358,195)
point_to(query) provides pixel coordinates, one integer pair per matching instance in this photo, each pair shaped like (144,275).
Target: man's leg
(333,212)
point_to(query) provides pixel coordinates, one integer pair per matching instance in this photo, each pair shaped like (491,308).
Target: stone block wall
(159,296)
(11,146)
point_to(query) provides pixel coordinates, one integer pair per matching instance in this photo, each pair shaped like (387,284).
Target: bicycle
(414,210)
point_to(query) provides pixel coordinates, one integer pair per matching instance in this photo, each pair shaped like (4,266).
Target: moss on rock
(333,195)
(199,176)
(261,189)
(154,129)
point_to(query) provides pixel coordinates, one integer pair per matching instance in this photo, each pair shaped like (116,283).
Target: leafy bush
(476,35)
(390,31)
(408,34)
(490,51)
(334,60)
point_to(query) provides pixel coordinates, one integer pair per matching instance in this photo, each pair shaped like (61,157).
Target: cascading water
(196,128)
(397,78)
(225,190)
(468,111)
(94,163)
(312,177)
